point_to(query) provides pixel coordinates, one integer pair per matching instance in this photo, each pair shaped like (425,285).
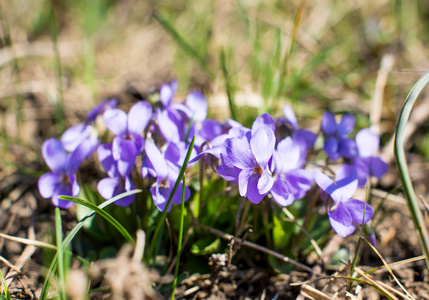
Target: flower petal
(157,159)
(324,182)
(287,156)
(377,167)
(265,182)
(253,193)
(341,229)
(264,120)
(262,144)
(55,156)
(105,157)
(239,153)
(127,160)
(331,148)
(341,214)
(197,103)
(63,190)
(138,117)
(346,180)
(367,142)
(299,182)
(290,116)
(243,181)
(107,187)
(73,136)
(166,94)
(357,208)
(347,148)
(280,192)
(329,125)
(346,125)
(48,183)
(116,121)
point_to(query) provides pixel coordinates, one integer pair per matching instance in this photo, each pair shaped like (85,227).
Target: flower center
(259,170)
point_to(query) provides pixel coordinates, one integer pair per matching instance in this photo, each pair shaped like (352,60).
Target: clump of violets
(148,145)
(337,144)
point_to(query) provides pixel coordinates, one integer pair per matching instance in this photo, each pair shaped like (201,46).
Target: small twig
(257,247)
(28,241)
(312,293)
(9,264)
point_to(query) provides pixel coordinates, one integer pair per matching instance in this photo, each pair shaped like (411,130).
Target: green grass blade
(71,236)
(164,213)
(401,162)
(102,213)
(183,43)
(227,85)
(60,252)
(179,246)
(5,288)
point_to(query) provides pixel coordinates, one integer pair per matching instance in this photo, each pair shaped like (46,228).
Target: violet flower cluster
(267,160)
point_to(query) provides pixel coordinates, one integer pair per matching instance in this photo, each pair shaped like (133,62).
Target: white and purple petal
(262,144)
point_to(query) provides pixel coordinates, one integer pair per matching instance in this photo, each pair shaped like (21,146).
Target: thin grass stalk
(59,111)
(179,246)
(72,234)
(401,162)
(164,213)
(186,46)
(60,253)
(5,291)
(227,85)
(355,258)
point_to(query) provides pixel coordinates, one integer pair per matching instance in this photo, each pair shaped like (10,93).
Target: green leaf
(282,232)
(102,213)
(206,246)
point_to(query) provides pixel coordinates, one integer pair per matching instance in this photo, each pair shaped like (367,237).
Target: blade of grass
(164,213)
(401,162)
(102,213)
(227,85)
(355,258)
(60,253)
(72,234)
(5,291)
(179,246)
(183,42)
(59,111)
(387,267)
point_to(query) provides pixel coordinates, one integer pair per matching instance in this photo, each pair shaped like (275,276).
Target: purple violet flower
(291,181)
(342,210)
(336,143)
(115,184)
(366,163)
(62,179)
(247,163)
(128,143)
(164,167)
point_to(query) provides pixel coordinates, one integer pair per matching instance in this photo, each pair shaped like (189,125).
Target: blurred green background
(59,58)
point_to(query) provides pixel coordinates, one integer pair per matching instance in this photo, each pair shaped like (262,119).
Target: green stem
(179,246)
(60,252)
(401,162)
